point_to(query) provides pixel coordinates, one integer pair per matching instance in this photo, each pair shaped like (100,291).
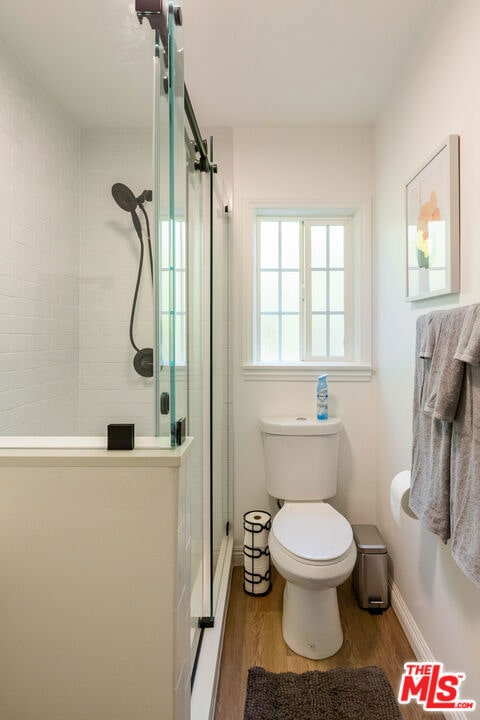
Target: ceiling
(277,62)
(270,62)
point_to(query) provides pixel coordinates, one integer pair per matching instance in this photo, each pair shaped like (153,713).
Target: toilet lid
(313,532)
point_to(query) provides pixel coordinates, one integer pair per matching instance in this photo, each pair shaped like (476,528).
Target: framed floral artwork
(433,225)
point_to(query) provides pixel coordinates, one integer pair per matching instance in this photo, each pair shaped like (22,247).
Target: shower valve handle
(164,403)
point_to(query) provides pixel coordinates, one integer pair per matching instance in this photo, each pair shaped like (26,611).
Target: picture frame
(432,202)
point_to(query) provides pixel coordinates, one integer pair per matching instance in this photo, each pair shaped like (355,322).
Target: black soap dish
(121,436)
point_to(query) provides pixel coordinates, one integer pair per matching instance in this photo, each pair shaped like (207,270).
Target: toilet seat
(312,533)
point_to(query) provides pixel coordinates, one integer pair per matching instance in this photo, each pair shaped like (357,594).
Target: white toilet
(311,544)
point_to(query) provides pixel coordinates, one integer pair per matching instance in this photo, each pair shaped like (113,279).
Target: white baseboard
(415,638)
(237,558)
(410,627)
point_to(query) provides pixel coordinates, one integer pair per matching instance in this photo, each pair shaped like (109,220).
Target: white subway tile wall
(39,258)
(68,265)
(110,390)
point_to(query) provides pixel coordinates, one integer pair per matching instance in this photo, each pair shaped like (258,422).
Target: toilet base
(311,621)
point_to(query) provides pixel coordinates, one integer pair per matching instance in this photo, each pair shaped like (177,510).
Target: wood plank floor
(253,636)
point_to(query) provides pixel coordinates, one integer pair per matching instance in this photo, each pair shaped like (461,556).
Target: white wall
(437,97)
(39,163)
(308,166)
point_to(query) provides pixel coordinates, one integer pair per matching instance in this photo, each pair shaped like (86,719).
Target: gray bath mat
(339,694)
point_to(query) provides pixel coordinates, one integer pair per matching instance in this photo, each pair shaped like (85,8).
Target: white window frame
(357,363)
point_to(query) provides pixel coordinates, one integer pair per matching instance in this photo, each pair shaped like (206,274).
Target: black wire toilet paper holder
(256,553)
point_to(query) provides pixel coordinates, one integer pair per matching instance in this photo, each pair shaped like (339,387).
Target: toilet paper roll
(257,524)
(255,584)
(399,495)
(258,566)
(256,540)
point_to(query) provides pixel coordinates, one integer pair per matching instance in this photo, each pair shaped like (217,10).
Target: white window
(311,292)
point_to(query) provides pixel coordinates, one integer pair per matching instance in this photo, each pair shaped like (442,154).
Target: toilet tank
(301,457)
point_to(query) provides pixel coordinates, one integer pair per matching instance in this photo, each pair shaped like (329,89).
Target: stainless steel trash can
(370,574)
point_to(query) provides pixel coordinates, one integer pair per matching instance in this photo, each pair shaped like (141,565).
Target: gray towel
(437,389)
(465,468)
(429,492)
(469,344)
(446,371)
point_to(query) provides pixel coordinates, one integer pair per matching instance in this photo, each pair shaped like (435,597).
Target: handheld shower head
(124,197)
(126,200)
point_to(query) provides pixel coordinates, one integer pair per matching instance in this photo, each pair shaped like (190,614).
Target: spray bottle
(322,398)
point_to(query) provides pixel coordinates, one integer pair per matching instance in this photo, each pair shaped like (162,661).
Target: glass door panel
(197,378)
(162,244)
(220,408)
(170,236)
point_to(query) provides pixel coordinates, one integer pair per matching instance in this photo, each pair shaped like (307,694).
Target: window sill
(307,372)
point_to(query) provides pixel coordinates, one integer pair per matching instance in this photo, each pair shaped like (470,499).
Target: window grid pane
(269,244)
(319,290)
(290,338)
(337,335)
(327,290)
(290,291)
(290,245)
(318,245)
(319,335)
(269,282)
(278,281)
(269,338)
(336,246)
(281,323)
(337,291)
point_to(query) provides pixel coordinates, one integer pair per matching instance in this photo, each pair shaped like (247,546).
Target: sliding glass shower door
(191,310)
(208,397)
(198,388)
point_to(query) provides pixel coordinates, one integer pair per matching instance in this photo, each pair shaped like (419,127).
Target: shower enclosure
(114,250)
(191,343)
